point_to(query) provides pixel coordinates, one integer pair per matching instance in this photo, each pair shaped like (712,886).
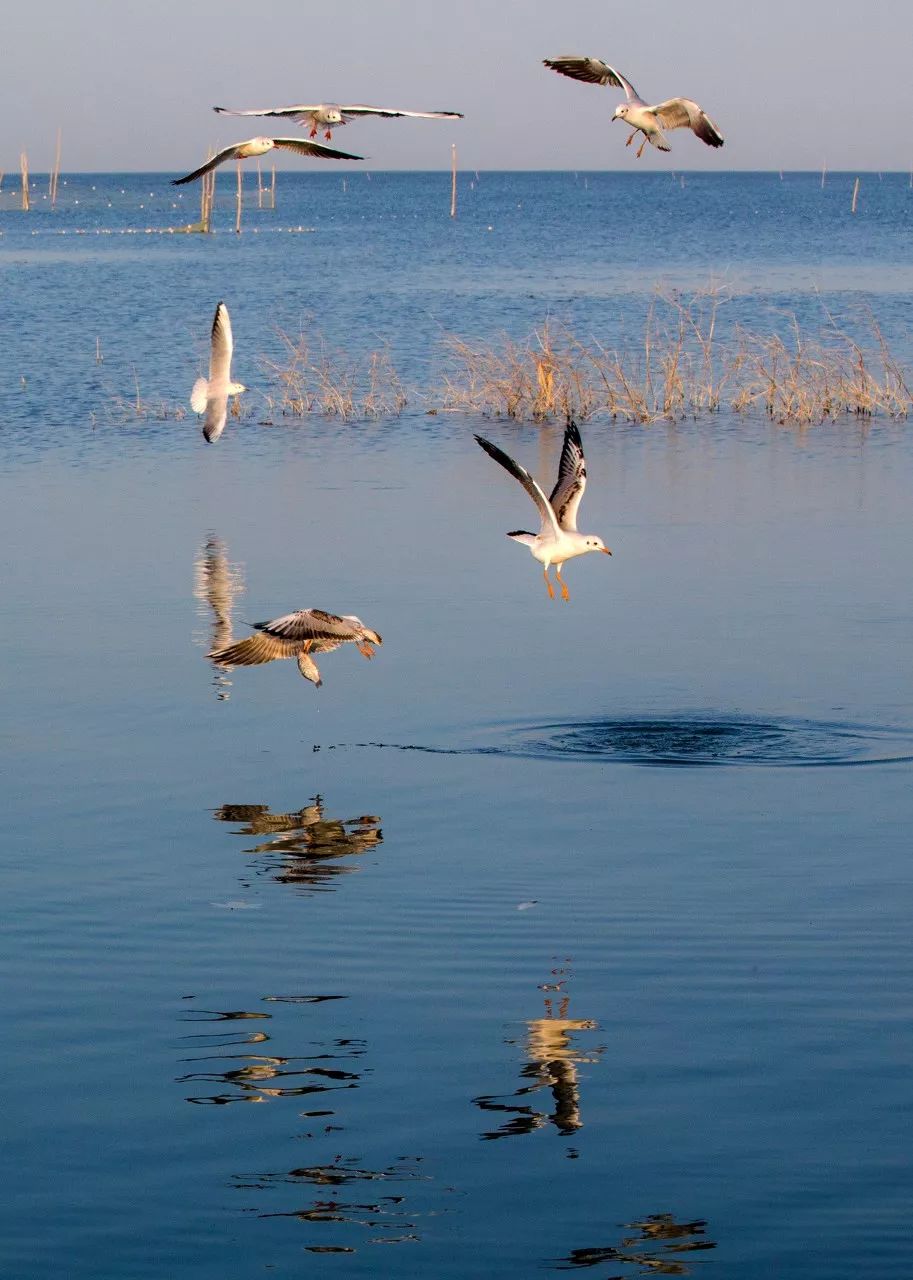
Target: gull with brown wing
(557,539)
(674,113)
(298,635)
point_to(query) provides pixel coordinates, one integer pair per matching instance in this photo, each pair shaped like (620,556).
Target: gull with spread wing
(210,395)
(331,115)
(298,635)
(674,113)
(259,147)
(557,539)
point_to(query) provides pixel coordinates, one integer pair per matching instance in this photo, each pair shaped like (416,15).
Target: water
(433,971)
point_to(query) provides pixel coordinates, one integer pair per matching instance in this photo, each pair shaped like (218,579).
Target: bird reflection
(216,583)
(304,848)
(552,1061)
(259,1077)
(656,1249)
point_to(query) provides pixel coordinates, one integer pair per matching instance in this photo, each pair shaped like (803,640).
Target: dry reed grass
(312,380)
(681,368)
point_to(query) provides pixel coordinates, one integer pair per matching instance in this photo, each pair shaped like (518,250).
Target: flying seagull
(210,395)
(298,635)
(259,147)
(557,539)
(329,116)
(674,113)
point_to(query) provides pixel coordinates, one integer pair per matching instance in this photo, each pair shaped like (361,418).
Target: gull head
(595,544)
(235,388)
(620,112)
(333,115)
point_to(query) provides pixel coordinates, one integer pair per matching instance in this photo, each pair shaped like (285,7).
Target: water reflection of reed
(216,584)
(552,1062)
(388,1216)
(305,848)
(260,1077)
(666,1240)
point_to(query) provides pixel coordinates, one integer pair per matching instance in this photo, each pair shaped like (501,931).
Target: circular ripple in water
(714,741)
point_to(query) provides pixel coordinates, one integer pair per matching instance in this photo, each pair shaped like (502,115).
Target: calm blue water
(559,936)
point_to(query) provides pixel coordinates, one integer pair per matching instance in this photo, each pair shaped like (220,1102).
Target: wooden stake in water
(259,185)
(55,176)
(273,190)
(855,195)
(24,170)
(823,172)
(238,213)
(453,176)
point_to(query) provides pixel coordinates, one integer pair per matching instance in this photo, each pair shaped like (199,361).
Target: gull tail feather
(198,395)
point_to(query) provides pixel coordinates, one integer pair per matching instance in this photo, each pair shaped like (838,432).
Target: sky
(790,83)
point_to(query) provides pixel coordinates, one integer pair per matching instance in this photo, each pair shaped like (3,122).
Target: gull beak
(606,550)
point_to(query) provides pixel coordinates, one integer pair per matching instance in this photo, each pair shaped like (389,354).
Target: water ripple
(685,741)
(711,740)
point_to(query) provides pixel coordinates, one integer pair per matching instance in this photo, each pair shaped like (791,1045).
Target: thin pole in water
(238,213)
(855,195)
(823,172)
(259,185)
(273,190)
(453,176)
(24,171)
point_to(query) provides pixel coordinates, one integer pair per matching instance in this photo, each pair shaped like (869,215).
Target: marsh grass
(312,379)
(684,364)
(121,409)
(679,368)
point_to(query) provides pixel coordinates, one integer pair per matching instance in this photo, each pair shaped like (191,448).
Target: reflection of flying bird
(332,115)
(307,849)
(299,635)
(259,147)
(552,1061)
(557,539)
(216,583)
(666,1241)
(210,395)
(674,113)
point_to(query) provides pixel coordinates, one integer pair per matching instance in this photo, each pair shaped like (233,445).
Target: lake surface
(558,937)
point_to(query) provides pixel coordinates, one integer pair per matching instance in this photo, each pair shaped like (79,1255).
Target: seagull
(557,539)
(259,147)
(330,116)
(210,395)
(298,635)
(674,113)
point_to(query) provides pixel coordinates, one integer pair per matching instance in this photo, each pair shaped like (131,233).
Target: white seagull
(210,395)
(259,147)
(557,539)
(298,635)
(674,113)
(331,115)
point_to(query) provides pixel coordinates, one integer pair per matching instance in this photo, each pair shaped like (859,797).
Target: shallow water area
(558,936)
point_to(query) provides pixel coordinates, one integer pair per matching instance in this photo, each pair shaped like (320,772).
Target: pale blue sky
(132,84)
